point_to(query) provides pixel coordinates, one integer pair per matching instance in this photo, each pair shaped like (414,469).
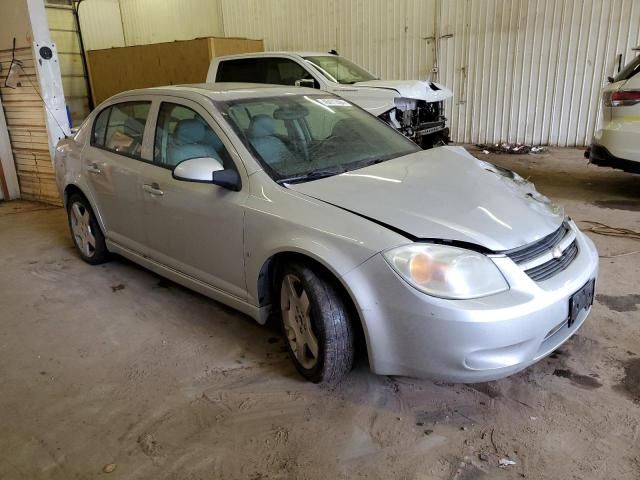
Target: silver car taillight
(623,98)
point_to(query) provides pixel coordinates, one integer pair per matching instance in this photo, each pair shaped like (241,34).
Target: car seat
(190,140)
(269,147)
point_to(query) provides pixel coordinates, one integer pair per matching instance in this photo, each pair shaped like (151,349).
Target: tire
(85,231)
(328,317)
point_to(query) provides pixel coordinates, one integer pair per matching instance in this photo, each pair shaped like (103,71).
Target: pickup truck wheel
(85,231)
(315,323)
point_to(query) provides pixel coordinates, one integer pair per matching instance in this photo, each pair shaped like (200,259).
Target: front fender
(281,220)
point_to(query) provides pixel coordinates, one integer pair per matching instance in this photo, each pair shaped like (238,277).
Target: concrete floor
(113,365)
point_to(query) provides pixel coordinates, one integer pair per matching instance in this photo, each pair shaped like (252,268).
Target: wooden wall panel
(25,114)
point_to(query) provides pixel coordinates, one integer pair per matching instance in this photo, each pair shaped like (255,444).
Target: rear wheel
(315,322)
(85,231)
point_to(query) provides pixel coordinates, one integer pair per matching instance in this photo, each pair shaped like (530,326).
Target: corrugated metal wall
(101,24)
(531,70)
(388,37)
(521,70)
(152,21)
(114,23)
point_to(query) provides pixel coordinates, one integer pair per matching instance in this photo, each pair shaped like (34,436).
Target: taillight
(623,98)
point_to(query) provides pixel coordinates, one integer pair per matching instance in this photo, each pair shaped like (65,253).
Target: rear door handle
(93,168)
(153,189)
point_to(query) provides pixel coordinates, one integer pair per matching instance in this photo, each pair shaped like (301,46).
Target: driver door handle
(153,189)
(93,168)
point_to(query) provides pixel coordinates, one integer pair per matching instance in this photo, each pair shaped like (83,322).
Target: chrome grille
(554,266)
(548,256)
(534,250)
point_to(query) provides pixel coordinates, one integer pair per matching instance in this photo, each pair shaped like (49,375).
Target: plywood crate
(116,70)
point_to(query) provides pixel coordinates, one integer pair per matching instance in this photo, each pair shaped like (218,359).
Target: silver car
(293,202)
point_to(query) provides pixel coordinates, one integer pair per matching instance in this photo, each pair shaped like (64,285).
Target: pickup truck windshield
(299,138)
(340,70)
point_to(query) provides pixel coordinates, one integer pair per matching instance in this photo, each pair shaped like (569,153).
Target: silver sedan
(291,202)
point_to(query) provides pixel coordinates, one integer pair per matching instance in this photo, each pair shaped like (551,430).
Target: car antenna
(333,52)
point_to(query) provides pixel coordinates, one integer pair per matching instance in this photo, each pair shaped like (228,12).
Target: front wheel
(316,324)
(85,231)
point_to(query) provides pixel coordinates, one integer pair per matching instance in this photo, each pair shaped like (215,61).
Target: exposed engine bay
(423,122)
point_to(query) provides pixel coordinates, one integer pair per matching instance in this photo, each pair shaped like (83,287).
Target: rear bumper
(601,156)
(620,136)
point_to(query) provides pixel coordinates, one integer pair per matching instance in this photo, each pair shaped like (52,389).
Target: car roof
(276,54)
(225,90)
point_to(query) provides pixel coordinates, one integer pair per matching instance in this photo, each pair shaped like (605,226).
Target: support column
(45,57)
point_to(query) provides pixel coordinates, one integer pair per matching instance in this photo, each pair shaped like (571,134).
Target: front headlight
(446,272)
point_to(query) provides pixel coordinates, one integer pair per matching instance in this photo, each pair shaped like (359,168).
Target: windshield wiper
(376,161)
(314,175)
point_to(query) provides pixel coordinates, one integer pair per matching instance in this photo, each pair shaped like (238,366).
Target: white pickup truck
(414,107)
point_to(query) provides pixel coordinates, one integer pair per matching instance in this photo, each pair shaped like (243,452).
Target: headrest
(291,112)
(190,131)
(261,126)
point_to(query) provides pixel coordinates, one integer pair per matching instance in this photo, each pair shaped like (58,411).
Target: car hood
(417,89)
(443,193)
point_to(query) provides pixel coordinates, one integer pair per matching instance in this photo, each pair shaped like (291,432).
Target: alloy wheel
(296,318)
(81,227)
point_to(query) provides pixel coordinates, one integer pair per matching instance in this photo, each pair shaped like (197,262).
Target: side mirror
(306,82)
(207,170)
(197,169)
(227,178)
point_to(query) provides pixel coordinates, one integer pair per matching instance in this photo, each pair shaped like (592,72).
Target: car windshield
(629,70)
(340,70)
(299,138)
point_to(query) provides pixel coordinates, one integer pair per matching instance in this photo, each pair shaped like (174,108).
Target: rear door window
(120,128)
(275,70)
(241,70)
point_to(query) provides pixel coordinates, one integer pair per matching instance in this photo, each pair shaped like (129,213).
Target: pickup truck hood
(443,193)
(416,89)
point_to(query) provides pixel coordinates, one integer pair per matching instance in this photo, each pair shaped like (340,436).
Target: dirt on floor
(111,371)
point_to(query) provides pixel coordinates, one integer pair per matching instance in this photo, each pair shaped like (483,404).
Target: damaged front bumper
(411,333)
(423,122)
